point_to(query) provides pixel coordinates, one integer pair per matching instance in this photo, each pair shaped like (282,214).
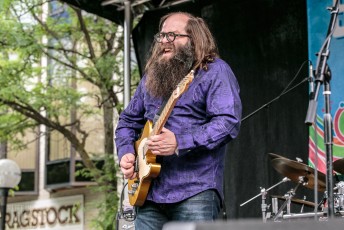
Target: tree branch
(40,119)
(74,67)
(64,50)
(85,31)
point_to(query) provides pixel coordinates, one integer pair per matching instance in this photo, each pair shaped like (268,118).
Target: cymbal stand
(263,193)
(288,196)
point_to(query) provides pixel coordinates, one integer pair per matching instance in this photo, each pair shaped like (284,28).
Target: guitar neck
(165,113)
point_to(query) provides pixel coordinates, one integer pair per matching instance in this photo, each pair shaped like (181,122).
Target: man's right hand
(127,166)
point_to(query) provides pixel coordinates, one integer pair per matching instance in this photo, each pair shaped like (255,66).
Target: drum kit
(305,176)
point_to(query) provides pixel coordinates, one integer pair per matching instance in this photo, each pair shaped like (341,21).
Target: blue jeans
(204,206)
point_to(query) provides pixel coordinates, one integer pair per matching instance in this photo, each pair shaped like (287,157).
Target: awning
(114,9)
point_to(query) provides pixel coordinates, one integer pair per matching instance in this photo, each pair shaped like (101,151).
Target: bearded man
(190,147)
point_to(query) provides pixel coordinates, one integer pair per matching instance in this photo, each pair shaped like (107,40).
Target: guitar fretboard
(182,86)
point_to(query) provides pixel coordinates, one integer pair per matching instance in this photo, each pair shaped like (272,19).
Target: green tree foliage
(80,50)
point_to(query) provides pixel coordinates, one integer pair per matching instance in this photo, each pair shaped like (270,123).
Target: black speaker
(335,224)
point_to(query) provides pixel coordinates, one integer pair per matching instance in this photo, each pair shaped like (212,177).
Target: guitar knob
(135,185)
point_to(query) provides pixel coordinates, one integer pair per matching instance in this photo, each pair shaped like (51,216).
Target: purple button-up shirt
(204,119)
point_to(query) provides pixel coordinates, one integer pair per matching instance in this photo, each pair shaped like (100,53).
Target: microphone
(311,80)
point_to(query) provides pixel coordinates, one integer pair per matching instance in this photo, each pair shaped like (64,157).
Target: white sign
(65,213)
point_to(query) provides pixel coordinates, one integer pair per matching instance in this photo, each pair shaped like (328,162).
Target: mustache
(166,46)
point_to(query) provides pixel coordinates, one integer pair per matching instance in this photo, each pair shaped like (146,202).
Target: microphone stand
(323,76)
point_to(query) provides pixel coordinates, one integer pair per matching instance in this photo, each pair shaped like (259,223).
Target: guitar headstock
(183,85)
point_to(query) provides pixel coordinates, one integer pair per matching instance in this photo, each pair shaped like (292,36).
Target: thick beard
(164,75)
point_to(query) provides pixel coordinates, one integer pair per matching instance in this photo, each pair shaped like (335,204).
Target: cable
(296,75)
(130,214)
(286,90)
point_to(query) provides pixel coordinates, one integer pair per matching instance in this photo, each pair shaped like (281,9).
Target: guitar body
(148,169)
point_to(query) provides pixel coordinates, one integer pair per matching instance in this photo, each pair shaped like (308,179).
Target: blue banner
(319,18)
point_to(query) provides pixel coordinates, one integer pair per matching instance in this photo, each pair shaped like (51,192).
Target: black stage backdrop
(265,43)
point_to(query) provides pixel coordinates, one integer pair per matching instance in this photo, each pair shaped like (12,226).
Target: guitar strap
(157,115)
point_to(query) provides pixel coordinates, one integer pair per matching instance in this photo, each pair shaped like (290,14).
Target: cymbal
(295,200)
(338,166)
(294,170)
(274,156)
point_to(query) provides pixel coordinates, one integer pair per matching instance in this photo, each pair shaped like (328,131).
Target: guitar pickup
(136,165)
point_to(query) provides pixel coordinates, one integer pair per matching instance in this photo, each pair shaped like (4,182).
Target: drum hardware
(339,197)
(302,202)
(304,175)
(322,215)
(274,205)
(288,198)
(322,204)
(339,187)
(303,205)
(263,193)
(338,202)
(303,215)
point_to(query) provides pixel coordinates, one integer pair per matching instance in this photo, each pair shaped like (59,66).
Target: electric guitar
(146,167)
